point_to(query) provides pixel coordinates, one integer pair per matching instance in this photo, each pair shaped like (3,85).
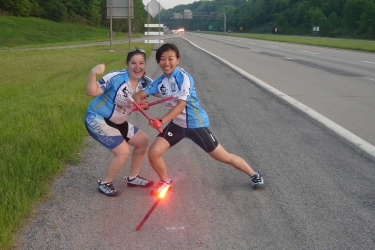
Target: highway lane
(339,84)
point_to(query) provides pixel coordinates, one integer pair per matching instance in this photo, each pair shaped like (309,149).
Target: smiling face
(168,61)
(136,66)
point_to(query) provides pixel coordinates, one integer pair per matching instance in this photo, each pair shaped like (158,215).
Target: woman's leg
(222,155)
(157,149)
(120,155)
(140,143)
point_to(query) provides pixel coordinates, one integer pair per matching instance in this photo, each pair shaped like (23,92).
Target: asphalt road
(319,191)
(339,84)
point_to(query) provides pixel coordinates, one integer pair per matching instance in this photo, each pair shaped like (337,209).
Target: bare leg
(120,155)
(140,142)
(222,155)
(157,149)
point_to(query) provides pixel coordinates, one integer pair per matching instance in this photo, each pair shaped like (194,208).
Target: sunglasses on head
(136,49)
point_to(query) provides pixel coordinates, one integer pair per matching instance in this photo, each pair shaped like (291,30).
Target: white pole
(159,23)
(110,25)
(148,27)
(129,24)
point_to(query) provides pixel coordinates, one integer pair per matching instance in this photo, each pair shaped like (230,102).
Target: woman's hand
(98,69)
(144,105)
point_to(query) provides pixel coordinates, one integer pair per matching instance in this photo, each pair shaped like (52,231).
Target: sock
(167,180)
(103,182)
(255,174)
(130,178)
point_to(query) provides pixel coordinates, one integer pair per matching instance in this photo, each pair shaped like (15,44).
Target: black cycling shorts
(200,136)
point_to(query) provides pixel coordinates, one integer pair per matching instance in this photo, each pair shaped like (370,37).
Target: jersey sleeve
(152,87)
(187,84)
(105,82)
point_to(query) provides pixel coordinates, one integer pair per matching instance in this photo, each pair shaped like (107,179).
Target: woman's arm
(92,88)
(175,111)
(139,96)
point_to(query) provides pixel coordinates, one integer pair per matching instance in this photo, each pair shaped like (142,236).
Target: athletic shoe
(257,181)
(107,189)
(138,182)
(160,186)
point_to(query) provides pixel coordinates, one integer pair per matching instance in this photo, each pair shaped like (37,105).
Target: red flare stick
(158,101)
(160,197)
(142,111)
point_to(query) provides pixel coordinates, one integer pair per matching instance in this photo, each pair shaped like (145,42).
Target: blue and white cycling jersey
(113,104)
(182,84)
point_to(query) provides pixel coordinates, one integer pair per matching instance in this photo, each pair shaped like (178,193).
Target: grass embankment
(43,103)
(18,32)
(351,44)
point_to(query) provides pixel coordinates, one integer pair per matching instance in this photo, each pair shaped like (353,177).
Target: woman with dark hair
(185,119)
(107,114)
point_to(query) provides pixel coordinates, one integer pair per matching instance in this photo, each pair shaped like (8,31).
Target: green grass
(43,103)
(351,44)
(18,32)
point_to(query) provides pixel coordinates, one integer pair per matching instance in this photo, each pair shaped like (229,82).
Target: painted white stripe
(303,51)
(273,46)
(346,134)
(154,41)
(255,50)
(154,33)
(368,62)
(154,25)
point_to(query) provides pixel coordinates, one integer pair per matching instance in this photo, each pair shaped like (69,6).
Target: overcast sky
(168,4)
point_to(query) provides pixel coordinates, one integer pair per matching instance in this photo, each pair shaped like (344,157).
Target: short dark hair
(165,47)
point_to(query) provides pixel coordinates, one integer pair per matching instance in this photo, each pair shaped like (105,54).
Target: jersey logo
(170,134)
(125,91)
(173,86)
(163,90)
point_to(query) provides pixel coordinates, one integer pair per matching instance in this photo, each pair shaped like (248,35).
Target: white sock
(130,178)
(167,180)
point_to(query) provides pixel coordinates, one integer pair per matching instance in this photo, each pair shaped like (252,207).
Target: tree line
(335,18)
(88,12)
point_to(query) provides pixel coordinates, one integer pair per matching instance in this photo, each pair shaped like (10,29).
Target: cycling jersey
(113,104)
(182,84)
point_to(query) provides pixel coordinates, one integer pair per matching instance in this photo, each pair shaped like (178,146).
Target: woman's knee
(122,151)
(140,140)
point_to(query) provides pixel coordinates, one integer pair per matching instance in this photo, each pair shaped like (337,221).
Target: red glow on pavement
(163,192)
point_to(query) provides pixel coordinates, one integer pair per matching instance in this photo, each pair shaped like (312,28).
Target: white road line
(368,62)
(303,51)
(273,46)
(288,58)
(336,128)
(255,50)
(370,79)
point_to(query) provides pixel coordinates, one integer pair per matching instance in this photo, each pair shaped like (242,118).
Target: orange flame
(163,192)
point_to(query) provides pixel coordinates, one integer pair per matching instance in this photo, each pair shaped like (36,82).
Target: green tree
(17,7)
(366,23)
(353,9)
(55,11)
(315,18)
